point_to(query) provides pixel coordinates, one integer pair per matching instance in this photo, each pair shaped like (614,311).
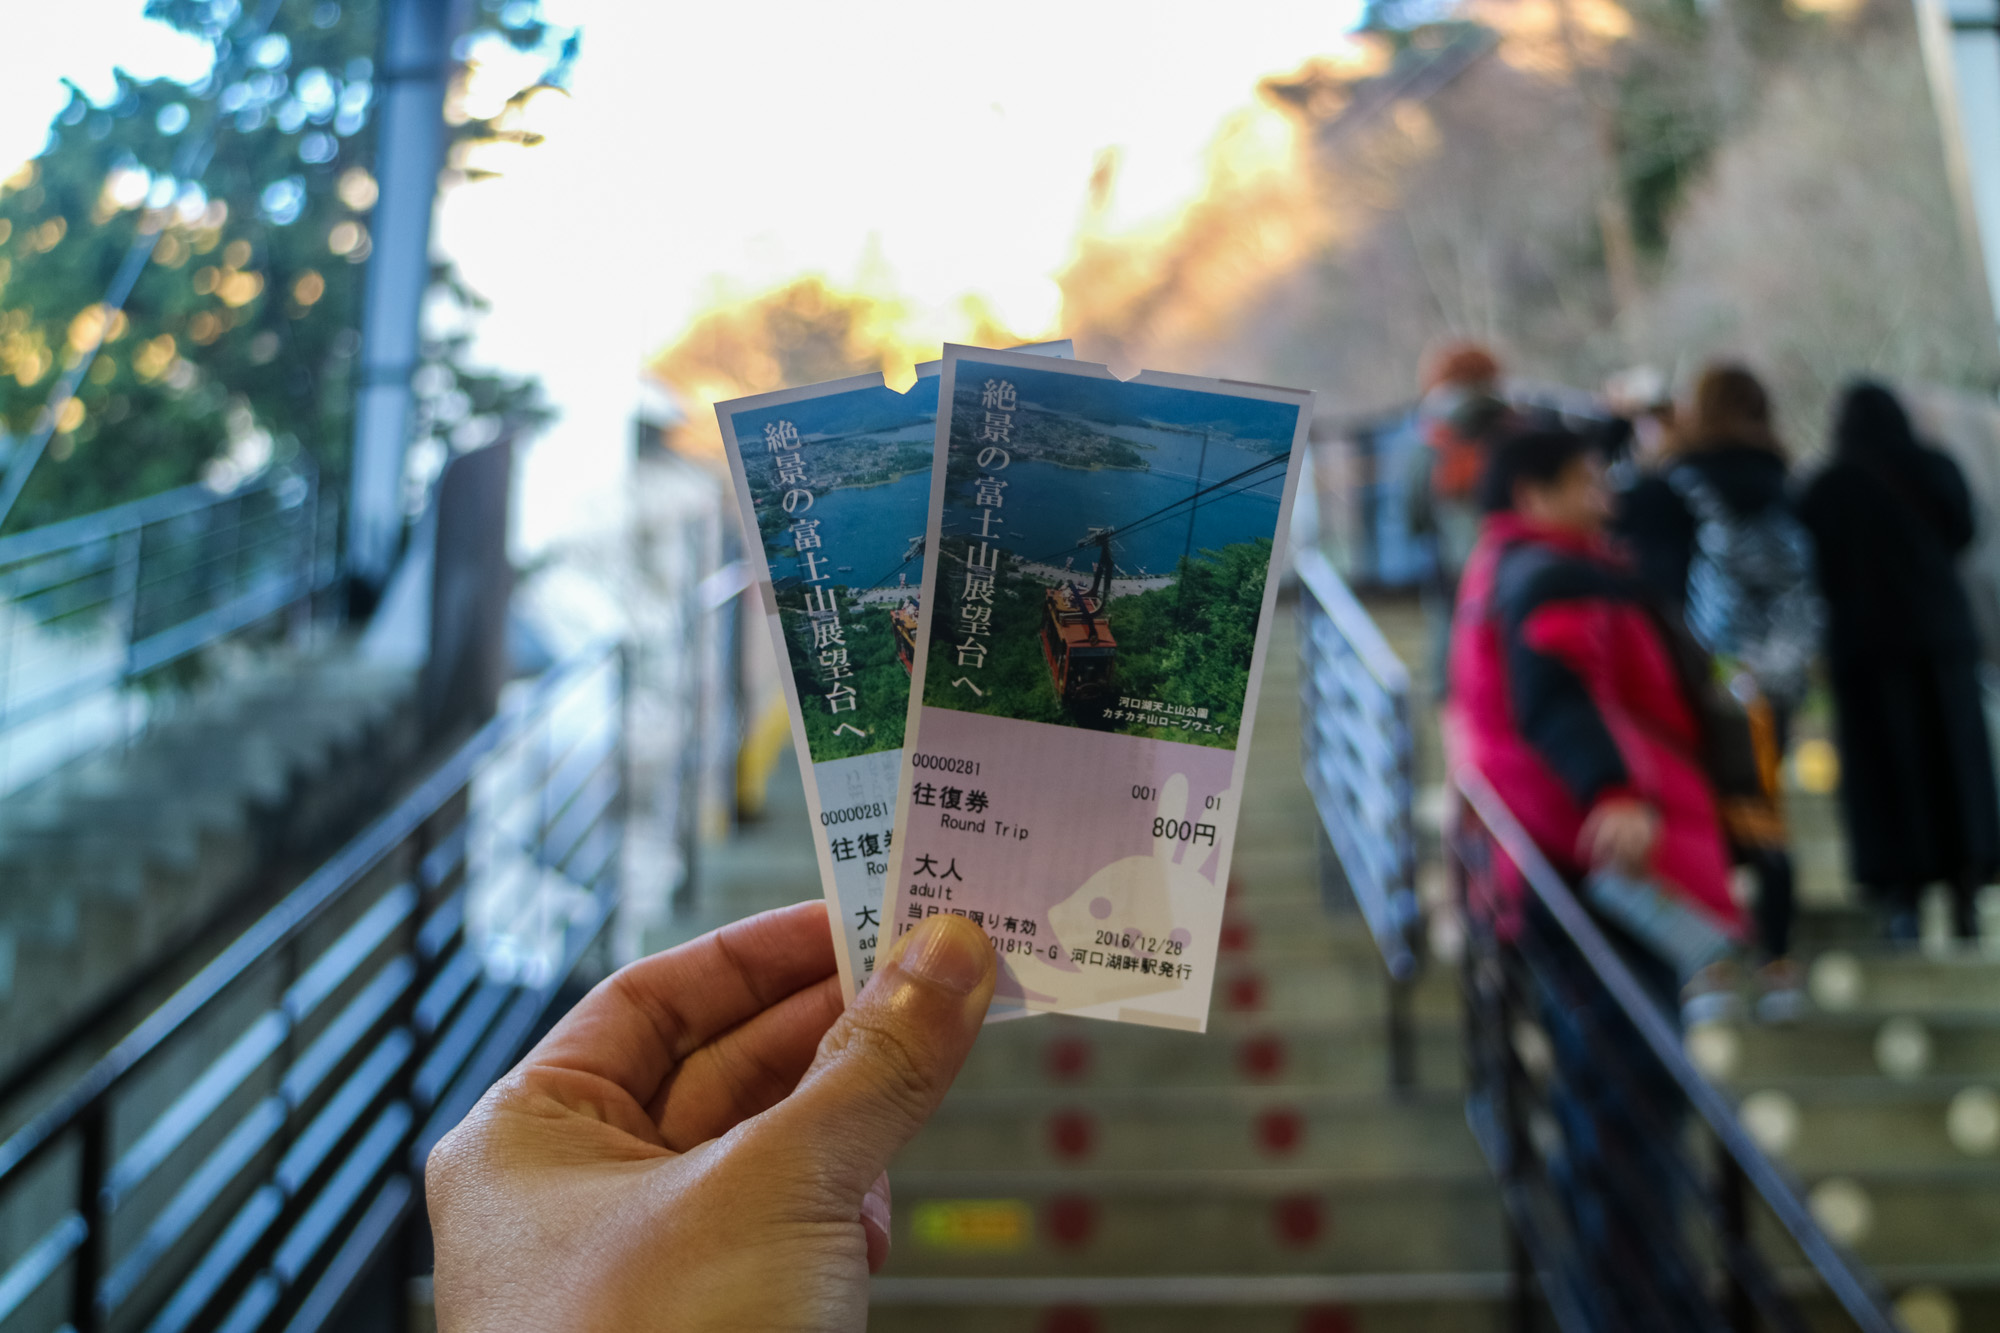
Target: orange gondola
(1076,636)
(903,620)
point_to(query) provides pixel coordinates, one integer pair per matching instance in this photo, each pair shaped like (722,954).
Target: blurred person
(1572,698)
(1639,430)
(701,1143)
(1459,415)
(1713,529)
(1890,517)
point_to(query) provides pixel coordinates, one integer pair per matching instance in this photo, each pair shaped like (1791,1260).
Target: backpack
(1750,593)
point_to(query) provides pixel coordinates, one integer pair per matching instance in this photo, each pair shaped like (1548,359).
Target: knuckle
(460,1153)
(895,1068)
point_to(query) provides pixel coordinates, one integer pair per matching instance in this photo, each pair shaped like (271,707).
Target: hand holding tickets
(1095,600)
(700,1143)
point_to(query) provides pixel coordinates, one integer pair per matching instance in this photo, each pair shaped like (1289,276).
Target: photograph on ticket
(1094,623)
(833,481)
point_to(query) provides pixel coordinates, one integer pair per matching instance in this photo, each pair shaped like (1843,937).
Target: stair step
(1834,1125)
(1056,1053)
(1162,1129)
(1248,987)
(1340,1303)
(1022,1223)
(1878,977)
(1914,1226)
(1863,1045)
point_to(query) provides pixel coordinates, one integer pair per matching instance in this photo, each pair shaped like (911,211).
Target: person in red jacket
(1566,691)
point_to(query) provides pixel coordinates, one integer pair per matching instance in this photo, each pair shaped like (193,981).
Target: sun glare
(939,160)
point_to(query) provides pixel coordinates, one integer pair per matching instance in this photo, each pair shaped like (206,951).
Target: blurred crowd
(1629,619)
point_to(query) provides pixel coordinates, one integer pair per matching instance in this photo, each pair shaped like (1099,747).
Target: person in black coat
(1890,517)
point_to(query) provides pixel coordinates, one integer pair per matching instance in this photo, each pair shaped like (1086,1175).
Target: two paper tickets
(1025,606)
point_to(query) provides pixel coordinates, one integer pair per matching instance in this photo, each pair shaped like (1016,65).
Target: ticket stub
(833,481)
(1093,627)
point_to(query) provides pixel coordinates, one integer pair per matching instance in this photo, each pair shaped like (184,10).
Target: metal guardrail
(1582,1098)
(92,606)
(1359,753)
(257,1142)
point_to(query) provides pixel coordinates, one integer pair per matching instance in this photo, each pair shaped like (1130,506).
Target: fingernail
(946,950)
(876,1209)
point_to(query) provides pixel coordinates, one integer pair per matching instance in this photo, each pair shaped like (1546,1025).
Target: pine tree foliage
(240,340)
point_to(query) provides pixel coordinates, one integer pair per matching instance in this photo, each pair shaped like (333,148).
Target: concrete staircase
(120,859)
(1885,1097)
(1265,1176)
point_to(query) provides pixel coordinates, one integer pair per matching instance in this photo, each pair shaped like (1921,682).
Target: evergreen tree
(239,340)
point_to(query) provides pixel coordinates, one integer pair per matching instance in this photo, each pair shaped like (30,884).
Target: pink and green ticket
(1093,617)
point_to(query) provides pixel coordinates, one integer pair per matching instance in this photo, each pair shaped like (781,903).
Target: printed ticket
(1092,630)
(833,480)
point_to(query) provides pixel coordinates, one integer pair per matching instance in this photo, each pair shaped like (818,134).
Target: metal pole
(1520,1284)
(1402,1038)
(1961,46)
(94,1131)
(416,67)
(1733,1213)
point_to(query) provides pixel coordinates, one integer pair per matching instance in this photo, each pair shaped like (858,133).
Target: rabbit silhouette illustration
(1137,906)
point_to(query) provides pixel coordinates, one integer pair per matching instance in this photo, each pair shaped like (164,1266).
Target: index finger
(637,1024)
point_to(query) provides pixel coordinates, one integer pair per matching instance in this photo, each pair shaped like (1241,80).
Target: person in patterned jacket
(1714,530)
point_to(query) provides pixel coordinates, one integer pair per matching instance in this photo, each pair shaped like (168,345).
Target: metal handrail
(353,1054)
(92,606)
(1745,1163)
(1359,756)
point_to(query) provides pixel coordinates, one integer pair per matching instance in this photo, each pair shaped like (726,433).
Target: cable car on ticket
(1076,635)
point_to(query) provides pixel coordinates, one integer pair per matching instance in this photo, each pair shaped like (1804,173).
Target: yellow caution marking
(973,1226)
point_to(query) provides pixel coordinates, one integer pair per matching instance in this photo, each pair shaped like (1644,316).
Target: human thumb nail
(945,950)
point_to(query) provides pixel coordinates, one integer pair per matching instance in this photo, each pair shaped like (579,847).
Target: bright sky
(937,150)
(717,150)
(81,40)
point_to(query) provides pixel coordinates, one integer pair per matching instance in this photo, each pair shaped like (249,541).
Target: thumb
(887,1062)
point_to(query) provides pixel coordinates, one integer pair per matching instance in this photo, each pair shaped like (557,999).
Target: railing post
(1520,1283)
(1402,1038)
(304,561)
(87,1268)
(1732,1206)
(125,594)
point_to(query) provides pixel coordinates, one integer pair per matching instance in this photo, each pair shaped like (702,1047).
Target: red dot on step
(1328,1319)
(1070,1220)
(1072,1134)
(1281,1130)
(1235,937)
(1246,992)
(1262,1057)
(1070,1319)
(1300,1219)
(1068,1059)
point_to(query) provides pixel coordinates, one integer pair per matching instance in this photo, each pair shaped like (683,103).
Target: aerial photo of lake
(1049,508)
